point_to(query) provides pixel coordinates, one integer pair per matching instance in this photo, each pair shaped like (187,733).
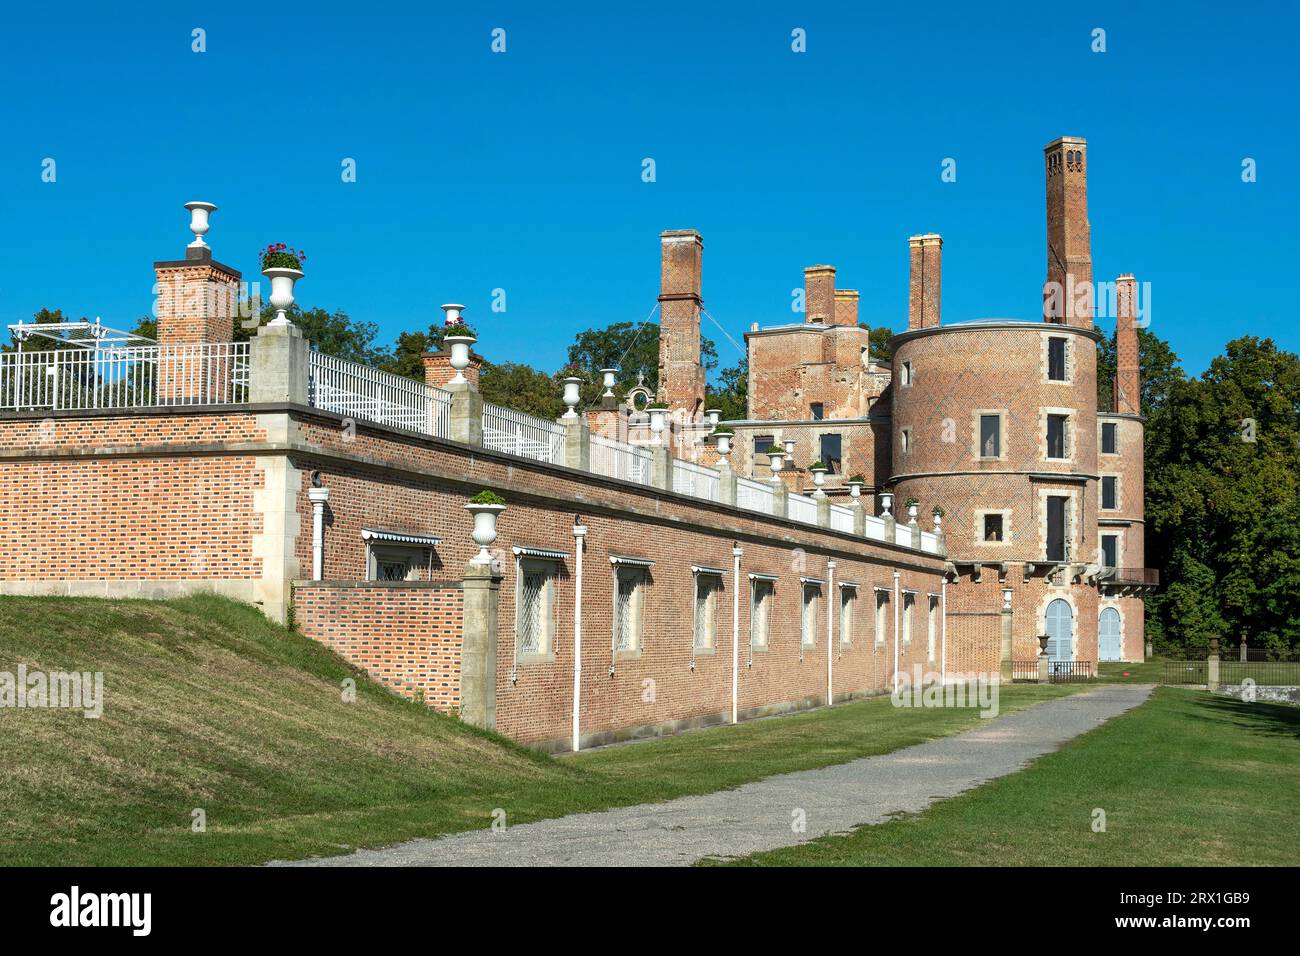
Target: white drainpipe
(318,497)
(735,633)
(943,629)
(897,599)
(831,606)
(579,540)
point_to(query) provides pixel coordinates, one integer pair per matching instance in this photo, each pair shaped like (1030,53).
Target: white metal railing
(754,495)
(692,479)
(359,391)
(616,459)
(875,528)
(929,542)
(135,376)
(802,509)
(519,433)
(903,534)
(842,518)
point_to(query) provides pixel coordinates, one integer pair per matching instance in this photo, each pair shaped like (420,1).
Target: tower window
(1109,550)
(1056,436)
(1108,493)
(1109,438)
(906,373)
(993,527)
(1056,359)
(832,452)
(990,436)
(817,410)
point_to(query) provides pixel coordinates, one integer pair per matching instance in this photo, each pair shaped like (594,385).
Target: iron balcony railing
(616,459)
(1058,672)
(518,433)
(359,391)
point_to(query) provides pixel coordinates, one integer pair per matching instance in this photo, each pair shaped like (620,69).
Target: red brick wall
(407,637)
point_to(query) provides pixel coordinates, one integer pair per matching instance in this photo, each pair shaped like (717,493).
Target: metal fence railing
(754,495)
(800,508)
(1234,672)
(616,459)
(695,480)
(1058,672)
(135,376)
(518,433)
(359,391)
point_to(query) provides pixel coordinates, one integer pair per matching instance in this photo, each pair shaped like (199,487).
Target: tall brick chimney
(846,307)
(681,377)
(196,296)
(924,283)
(1067,293)
(1128,372)
(819,294)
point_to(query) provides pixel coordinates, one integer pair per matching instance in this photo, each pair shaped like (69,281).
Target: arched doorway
(1110,637)
(1060,631)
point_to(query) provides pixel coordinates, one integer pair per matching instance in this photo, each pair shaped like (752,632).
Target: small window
(629,603)
(932,628)
(848,601)
(397,563)
(1108,495)
(882,616)
(993,528)
(990,436)
(761,444)
(905,440)
(1109,439)
(817,410)
(1109,550)
(707,587)
(1056,436)
(1056,359)
(909,602)
(535,614)
(760,613)
(905,373)
(831,452)
(808,629)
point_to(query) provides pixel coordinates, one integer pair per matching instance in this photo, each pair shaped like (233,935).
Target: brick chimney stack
(681,377)
(195,296)
(1067,293)
(1128,372)
(819,294)
(846,307)
(924,283)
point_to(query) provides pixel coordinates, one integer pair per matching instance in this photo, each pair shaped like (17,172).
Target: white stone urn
(453,311)
(713,416)
(608,379)
(912,511)
(938,519)
(199,213)
(855,489)
(282,282)
(485,529)
(777,461)
(459,346)
(1006,599)
(789,444)
(658,417)
(572,395)
(886,504)
(724,444)
(819,480)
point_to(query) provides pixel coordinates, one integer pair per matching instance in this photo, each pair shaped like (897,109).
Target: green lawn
(210,707)
(1148,672)
(1187,779)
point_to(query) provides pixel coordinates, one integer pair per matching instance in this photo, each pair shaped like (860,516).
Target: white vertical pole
(579,541)
(897,609)
(735,633)
(318,497)
(943,629)
(832,607)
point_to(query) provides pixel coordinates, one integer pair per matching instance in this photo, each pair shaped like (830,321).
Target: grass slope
(1186,779)
(209,706)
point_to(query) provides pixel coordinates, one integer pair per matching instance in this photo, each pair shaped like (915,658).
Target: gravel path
(761,815)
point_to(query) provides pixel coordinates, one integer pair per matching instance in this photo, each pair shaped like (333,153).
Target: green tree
(632,349)
(334,333)
(879,350)
(732,392)
(1160,370)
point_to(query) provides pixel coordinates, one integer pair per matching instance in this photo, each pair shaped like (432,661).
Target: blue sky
(522,170)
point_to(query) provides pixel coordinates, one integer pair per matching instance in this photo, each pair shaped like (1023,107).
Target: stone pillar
(859,518)
(466,413)
(661,467)
(916,534)
(1008,648)
(481,588)
(823,511)
(890,524)
(780,500)
(726,483)
(1212,666)
(577,443)
(1044,676)
(278,358)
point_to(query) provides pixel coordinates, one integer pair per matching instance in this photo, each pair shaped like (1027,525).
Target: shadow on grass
(1261,717)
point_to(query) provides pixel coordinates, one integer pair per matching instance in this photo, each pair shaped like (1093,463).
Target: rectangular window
(848,601)
(817,409)
(808,629)
(993,528)
(535,614)
(932,628)
(397,563)
(1109,550)
(629,602)
(990,436)
(905,440)
(1109,438)
(1056,359)
(1056,436)
(707,587)
(909,602)
(882,616)
(907,373)
(831,448)
(760,613)
(1108,495)
(1056,528)
(761,444)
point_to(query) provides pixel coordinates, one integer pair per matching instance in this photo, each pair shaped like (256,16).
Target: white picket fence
(136,376)
(359,391)
(616,459)
(518,433)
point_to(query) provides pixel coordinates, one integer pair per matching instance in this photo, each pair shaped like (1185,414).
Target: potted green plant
(819,469)
(658,417)
(723,436)
(283,266)
(776,458)
(855,485)
(485,506)
(913,506)
(937,513)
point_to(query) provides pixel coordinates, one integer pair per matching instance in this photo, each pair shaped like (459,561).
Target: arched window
(1060,631)
(1110,636)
